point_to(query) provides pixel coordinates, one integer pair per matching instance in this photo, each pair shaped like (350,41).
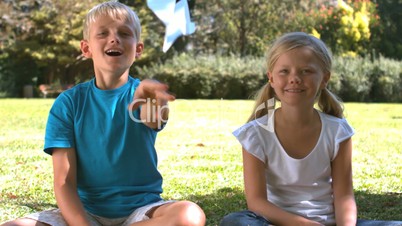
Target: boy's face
(111,45)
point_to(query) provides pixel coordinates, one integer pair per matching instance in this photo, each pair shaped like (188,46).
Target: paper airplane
(175,17)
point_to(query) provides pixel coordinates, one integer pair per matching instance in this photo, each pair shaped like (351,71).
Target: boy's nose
(115,39)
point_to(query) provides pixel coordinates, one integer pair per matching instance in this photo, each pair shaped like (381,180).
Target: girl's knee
(242,218)
(233,219)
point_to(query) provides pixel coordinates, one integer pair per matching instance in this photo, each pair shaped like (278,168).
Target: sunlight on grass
(199,158)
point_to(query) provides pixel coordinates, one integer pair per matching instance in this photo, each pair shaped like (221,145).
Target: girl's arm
(344,200)
(65,186)
(256,194)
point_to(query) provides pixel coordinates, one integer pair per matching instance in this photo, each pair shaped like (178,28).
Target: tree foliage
(347,27)
(39,39)
(44,36)
(245,27)
(390,30)
(44,33)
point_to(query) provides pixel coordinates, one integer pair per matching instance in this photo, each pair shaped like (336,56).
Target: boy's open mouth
(113,52)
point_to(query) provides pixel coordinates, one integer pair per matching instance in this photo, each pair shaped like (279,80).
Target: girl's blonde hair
(115,10)
(327,101)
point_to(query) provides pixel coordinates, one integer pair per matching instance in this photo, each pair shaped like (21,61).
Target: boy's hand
(151,90)
(155,95)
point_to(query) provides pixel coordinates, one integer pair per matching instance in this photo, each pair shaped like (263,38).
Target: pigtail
(330,104)
(262,97)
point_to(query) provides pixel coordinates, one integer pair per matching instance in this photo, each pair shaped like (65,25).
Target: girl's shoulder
(255,136)
(339,125)
(257,125)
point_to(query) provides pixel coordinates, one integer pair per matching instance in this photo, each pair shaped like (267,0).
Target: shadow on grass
(386,206)
(220,203)
(38,206)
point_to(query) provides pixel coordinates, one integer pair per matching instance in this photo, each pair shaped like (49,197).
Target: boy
(102,147)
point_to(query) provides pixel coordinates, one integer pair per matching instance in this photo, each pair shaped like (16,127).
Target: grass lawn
(199,158)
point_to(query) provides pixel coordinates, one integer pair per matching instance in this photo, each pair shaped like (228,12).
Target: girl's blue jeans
(249,218)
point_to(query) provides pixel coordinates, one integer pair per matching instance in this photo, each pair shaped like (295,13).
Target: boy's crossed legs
(160,213)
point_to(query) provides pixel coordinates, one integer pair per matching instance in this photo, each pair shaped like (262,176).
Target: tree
(47,34)
(347,26)
(245,27)
(390,32)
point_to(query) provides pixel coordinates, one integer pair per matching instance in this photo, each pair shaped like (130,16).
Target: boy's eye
(306,71)
(102,33)
(125,33)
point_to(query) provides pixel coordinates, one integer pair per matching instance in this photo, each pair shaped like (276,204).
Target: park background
(213,72)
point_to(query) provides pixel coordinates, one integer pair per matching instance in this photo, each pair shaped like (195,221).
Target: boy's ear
(85,49)
(139,49)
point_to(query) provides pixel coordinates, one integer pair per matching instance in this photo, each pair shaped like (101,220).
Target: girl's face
(297,77)
(111,45)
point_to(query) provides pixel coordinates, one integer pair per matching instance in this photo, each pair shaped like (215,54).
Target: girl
(297,160)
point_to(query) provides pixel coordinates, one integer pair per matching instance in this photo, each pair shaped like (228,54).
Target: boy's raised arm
(153,96)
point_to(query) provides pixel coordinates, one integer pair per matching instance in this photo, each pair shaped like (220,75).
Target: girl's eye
(306,71)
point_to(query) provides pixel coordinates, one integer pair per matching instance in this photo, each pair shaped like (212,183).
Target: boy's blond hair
(115,10)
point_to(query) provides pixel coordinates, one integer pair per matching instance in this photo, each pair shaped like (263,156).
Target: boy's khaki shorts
(54,217)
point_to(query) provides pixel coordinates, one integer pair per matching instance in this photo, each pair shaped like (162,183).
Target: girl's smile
(297,76)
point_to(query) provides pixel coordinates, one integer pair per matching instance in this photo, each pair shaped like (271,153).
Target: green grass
(199,158)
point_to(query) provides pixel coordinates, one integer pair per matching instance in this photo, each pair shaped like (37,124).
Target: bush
(362,79)
(14,75)
(358,79)
(387,81)
(209,76)
(353,75)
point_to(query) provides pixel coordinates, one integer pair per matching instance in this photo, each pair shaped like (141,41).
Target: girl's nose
(295,79)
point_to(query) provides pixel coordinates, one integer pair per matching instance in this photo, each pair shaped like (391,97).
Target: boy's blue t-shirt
(116,158)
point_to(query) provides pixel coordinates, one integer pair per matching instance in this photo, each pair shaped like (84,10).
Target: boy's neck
(109,82)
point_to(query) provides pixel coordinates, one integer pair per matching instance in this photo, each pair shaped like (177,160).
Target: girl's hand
(306,222)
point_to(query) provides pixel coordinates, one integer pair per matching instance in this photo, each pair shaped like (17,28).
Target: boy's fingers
(164,95)
(152,91)
(156,90)
(150,85)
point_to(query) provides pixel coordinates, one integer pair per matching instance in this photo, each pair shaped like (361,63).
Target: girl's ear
(85,49)
(325,80)
(270,77)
